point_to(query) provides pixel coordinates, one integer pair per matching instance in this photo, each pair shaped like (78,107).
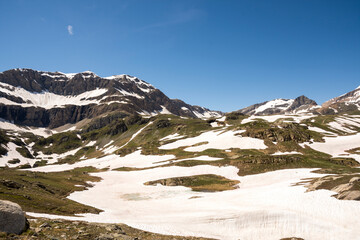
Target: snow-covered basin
(266,206)
(222,139)
(336,146)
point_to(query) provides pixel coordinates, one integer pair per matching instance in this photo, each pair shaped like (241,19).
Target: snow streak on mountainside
(298,105)
(52,99)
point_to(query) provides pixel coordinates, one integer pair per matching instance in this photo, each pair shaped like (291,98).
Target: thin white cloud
(176,18)
(70,30)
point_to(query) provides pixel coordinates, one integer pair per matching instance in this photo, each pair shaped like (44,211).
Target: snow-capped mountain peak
(300,104)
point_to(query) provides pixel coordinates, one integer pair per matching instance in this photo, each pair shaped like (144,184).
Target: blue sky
(223,55)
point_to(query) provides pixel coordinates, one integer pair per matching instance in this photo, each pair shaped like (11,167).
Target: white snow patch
(44,132)
(108,144)
(273,118)
(132,94)
(135,160)
(336,146)
(215,124)
(286,153)
(49,100)
(12,154)
(164,110)
(172,137)
(91,143)
(281,104)
(203,158)
(53,158)
(217,140)
(222,119)
(320,130)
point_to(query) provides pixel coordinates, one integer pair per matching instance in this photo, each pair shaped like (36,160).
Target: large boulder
(12,218)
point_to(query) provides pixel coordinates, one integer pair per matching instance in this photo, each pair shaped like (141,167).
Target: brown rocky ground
(47,229)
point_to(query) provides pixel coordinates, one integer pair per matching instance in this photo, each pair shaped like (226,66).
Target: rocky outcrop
(42,228)
(302,103)
(346,186)
(289,132)
(12,218)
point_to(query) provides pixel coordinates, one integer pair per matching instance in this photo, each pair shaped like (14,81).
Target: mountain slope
(345,103)
(300,104)
(52,99)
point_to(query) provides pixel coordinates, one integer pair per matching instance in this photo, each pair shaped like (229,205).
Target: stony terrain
(47,229)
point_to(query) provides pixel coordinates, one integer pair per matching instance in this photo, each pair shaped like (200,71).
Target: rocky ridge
(345,103)
(298,105)
(52,99)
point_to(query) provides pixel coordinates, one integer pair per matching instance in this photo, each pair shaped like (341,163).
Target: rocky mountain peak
(301,104)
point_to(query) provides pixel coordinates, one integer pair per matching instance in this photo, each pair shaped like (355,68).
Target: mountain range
(52,99)
(85,148)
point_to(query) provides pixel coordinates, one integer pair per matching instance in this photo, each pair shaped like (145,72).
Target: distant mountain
(52,99)
(345,103)
(298,105)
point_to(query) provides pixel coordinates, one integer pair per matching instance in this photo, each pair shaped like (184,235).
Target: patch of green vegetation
(4,139)
(200,183)
(24,152)
(233,116)
(149,138)
(40,163)
(14,161)
(18,142)
(25,166)
(46,192)
(117,126)
(58,143)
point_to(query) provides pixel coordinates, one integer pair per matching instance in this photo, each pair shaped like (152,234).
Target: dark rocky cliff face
(124,93)
(301,102)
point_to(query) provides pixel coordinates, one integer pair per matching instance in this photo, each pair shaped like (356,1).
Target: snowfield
(281,104)
(218,140)
(273,118)
(44,132)
(337,146)
(266,206)
(135,160)
(48,100)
